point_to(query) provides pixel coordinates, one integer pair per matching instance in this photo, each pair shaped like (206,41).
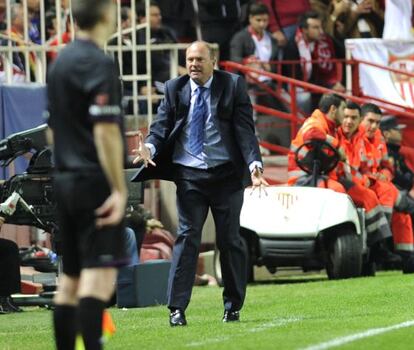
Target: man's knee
(97,283)
(67,290)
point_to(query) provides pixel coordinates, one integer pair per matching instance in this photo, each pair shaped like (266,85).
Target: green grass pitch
(305,312)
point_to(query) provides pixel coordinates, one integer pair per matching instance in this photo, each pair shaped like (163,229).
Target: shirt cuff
(255,164)
(151,148)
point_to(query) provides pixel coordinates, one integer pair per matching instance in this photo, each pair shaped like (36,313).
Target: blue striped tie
(198,122)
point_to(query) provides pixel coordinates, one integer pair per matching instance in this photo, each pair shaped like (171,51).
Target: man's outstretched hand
(142,153)
(258,181)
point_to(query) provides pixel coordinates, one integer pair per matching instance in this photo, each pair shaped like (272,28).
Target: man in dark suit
(203,139)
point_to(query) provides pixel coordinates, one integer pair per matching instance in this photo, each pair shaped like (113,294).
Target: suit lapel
(184,97)
(182,107)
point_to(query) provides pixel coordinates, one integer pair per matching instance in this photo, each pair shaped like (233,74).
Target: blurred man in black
(160,60)
(392,131)
(219,20)
(86,120)
(9,274)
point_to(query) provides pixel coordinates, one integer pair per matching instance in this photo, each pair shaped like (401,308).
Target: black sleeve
(103,89)
(236,48)
(49,113)
(291,53)
(244,124)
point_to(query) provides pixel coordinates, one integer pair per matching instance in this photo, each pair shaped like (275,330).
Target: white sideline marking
(279,322)
(350,338)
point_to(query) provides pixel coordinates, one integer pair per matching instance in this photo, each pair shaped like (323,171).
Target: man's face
(259,23)
(314,30)
(126,22)
(393,136)
(33,5)
(155,17)
(18,22)
(199,63)
(110,19)
(339,113)
(371,123)
(351,121)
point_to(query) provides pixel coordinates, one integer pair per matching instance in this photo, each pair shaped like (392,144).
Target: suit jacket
(231,111)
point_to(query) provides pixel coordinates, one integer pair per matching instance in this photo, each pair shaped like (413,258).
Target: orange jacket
(377,161)
(317,127)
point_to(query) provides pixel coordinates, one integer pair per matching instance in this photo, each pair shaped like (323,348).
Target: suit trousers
(198,190)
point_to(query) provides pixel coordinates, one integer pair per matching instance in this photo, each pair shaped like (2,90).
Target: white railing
(64,22)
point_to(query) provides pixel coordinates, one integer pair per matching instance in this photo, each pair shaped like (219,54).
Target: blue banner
(21,108)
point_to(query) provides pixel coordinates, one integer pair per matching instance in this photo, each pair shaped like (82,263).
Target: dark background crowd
(214,21)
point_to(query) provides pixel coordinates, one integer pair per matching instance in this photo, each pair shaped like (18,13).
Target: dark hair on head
(49,17)
(329,100)
(124,13)
(370,108)
(140,9)
(258,8)
(353,105)
(303,20)
(88,13)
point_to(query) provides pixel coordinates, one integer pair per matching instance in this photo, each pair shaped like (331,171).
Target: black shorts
(85,246)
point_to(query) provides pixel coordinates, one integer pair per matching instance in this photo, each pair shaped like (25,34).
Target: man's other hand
(112,211)
(258,181)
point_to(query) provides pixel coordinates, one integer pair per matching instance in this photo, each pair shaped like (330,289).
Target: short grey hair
(211,51)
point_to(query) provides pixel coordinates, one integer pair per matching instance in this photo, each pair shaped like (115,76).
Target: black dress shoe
(177,318)
(231,316)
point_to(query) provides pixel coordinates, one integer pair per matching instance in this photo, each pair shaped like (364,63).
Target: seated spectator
(160,34)
(254,46)
(360,18)
(16,36)
(33,7)
(332,14)
(310,43)
(160,60)
(50,24)
(52,28)
(126,17)
(284,16)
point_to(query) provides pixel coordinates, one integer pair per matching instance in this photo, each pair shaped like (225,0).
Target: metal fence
(34,58)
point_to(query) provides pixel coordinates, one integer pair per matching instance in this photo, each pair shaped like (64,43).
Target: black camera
(34,188)
(36,206)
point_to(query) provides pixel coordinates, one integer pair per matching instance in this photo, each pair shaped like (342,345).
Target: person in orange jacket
(321,125)
(351,138)
(377,167)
